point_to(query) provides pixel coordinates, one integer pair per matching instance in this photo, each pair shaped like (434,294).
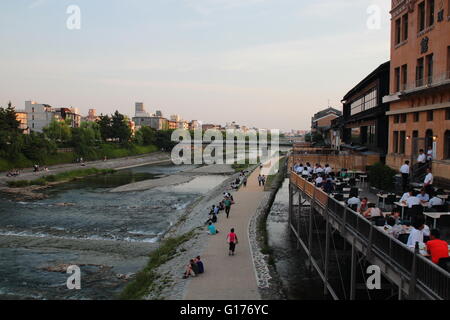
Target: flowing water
(83,223)
(291,264)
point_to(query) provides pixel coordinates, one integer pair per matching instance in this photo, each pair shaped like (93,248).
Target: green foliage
(58,131)
(114,128)
(382,177)
(145,279)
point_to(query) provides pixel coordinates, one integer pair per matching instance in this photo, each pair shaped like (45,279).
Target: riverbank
(44,178)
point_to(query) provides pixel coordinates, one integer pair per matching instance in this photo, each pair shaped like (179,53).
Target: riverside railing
(422,274)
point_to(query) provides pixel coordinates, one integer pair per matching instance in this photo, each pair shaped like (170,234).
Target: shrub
(382,177)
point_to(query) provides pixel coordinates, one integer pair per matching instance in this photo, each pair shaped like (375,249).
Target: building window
(32,109)
(32,125)
(430,68)
(430,115)
(405,27)
(421,16)
(416,116)
(415,134)
(404,77)
(396,118)
(447,144)
(430,12)
(398,31)
(419,72)
(395,140)
(403,118)
(32,117)
(402,142)
(397,79)
(368,101)
(447,114)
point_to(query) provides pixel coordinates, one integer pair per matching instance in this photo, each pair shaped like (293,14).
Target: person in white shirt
(412,201)
(422,158)
(319,181)
(319,169)
(328,169)
(404,170)
(406,195)
(430,154)
(305,172)
(372,211)
(354,200)
(423,196)
(435,201)
(428,178)
(419,230)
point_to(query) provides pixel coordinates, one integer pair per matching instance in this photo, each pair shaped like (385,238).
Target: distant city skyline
(262,63)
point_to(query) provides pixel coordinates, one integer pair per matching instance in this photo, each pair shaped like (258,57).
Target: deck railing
(429,278)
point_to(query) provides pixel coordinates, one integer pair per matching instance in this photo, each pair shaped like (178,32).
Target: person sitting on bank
(212,229)
(200,266)
(436,247)
(372,211)
(189,270)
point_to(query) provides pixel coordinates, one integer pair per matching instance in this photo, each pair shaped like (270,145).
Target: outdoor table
(435,216)
(382,196)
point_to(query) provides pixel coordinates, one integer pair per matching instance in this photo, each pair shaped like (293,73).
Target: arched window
(447,144)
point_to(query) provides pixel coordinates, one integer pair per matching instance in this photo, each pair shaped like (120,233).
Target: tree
(85,138)
(104,123)
(147,135)
(38,147)
(59,131)
(10,133)
(120,128)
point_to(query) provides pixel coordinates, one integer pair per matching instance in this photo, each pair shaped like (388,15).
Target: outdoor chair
(403,238)
(390,200)
(379,221)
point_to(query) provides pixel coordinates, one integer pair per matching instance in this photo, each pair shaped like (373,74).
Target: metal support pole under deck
(353,272)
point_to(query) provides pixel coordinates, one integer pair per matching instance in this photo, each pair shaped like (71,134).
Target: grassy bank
(111,151)
(274,181)
(144,281)
(60,177)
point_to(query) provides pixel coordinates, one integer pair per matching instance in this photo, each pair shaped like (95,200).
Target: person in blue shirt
(423,196)
(212,229)
(201,268)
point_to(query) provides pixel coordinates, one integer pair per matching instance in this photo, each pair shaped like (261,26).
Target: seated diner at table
(436,247)
(418,232)
(372,211)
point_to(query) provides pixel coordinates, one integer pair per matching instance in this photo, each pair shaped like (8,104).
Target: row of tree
(87,141)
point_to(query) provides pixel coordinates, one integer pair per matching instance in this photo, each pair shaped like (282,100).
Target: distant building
(322,121)
(210,127)
(364,124)
(173,125)
(159,114)
(22,117)
(38,115)
(92,116)
(183,125)
(175,117)
(195,125)
(140,110)
(71,115)
(156,123)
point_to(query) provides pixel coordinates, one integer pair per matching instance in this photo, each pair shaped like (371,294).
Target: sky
(263,63)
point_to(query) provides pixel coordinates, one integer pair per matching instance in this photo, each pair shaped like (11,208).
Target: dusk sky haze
(264,63)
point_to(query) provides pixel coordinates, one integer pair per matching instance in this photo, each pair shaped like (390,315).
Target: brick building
(419,98)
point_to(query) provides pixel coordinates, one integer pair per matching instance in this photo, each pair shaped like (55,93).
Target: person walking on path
(244,181)
(232,241)
(259,180)
(263,180)
(227,204)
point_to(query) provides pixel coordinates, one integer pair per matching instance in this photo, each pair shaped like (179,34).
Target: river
(107,234)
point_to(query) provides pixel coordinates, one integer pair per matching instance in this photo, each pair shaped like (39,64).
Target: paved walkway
(230,277)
